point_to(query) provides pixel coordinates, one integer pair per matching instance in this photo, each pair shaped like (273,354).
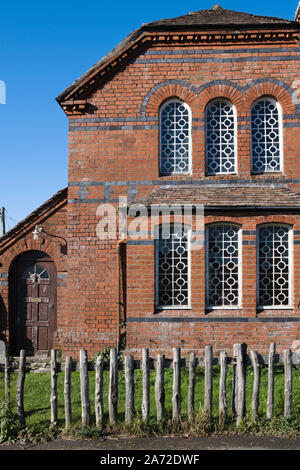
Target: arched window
(274,265)
(172,264)
(220,137)
(223,261)
(175,138)
(266,139)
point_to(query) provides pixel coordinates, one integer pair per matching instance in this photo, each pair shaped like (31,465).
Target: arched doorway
(32,282)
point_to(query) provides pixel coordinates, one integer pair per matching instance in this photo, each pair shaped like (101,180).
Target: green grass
(37,402)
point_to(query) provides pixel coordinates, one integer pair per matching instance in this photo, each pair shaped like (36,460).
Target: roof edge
(40,211)
(134,37)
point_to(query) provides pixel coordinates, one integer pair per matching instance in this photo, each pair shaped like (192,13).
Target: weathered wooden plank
(99,391)
(270,398)
(129,388)
(67,392)
(113,387)
(20,389)
(256,383)
(7,379)
(241,384)
(208,381)
(146,385)
(192,381)
(84,388)
(53,397)
(287,358)
(233,386)
(176,398)
(160,387)
(222,388)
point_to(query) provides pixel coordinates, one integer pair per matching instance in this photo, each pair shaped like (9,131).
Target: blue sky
(44,46)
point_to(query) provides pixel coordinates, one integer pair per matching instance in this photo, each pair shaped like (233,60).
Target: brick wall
(114,151)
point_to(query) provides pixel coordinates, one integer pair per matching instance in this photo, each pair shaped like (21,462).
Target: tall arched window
(274,265)
(266,139)
(223,265)
(175,138)
(220,137)
(172,266)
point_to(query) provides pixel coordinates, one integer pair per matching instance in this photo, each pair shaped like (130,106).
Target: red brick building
(202,109)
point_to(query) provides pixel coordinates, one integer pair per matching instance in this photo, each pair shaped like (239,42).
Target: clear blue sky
(44,46)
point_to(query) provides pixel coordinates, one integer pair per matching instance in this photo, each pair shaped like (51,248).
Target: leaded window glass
(175,138)
(172,267)
(274,266)
(35,272)
(265,136)
(220,130)
(223,266)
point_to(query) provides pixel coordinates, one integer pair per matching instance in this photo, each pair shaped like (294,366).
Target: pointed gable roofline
(44,211)
(215,19)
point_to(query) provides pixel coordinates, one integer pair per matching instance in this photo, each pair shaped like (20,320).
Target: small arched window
(266,140)
(220,136)
(175,138)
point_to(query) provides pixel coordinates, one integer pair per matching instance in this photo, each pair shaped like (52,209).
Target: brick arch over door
(32,303)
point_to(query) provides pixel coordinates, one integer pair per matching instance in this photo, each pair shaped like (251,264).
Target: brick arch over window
(284,96)
(155,98)
(222,92)
(55,249)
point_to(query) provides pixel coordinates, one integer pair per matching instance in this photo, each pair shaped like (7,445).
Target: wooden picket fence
(238,362)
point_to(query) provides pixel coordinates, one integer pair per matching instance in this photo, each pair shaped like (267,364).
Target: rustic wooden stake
(159,387)
(208,381)
(7,379)
(233,387)
(129,385)
(241,384)
(222,388)
(67,392)
(146,385)
(192,381)
(256,383)
(20,389)
(287,356)
(84,388)
(270,399)
(53,397)
(176,399)
(113,387)
(99,391)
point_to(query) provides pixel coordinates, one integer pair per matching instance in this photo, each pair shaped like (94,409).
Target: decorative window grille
(220,130)
(266,136)
(35,273)
(223,266)
(274,266)
(175,138)
(172,267)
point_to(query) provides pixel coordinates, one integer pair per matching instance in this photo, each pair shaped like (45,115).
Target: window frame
(290,270)
(235,172)
(163,105)
(240,266)
(156,269)
(280,126)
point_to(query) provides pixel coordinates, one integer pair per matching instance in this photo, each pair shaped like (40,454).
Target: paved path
(244,442)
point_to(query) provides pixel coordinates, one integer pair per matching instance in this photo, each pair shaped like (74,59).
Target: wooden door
(34,303)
